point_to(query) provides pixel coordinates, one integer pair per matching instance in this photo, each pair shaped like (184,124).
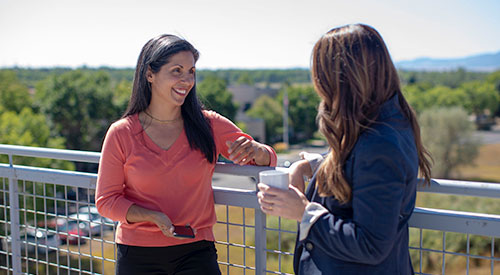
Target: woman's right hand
(164,223)
(139,214)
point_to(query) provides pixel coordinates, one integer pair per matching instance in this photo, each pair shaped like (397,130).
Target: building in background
(245,95)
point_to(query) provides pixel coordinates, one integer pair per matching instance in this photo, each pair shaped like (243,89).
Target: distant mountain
(482,62)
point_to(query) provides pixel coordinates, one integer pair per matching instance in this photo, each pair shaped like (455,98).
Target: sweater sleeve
(109,197)
(377,192)
(225,130)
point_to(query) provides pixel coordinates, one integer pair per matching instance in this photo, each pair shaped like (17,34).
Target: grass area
(100,249)
(244,236)
(486,167)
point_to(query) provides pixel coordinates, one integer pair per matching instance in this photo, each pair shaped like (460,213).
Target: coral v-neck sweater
(177,181)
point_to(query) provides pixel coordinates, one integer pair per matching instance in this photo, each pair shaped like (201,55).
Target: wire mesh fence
(60,232)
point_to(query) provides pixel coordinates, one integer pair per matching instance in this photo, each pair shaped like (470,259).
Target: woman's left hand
(289,204)
(244,150)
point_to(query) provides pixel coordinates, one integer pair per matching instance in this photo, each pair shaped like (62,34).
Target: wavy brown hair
(354,75)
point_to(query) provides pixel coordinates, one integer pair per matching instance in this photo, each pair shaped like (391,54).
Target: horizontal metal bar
(229,196)
(456,221)
(441,186)
(236,197)
(46,175)
(462,188)
(236,224)
(237,170)
(38,152)
(455,253)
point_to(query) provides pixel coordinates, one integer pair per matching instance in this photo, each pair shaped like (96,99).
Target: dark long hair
(154,55)
(354,75)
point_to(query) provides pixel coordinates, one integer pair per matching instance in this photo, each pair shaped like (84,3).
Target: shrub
(448,135)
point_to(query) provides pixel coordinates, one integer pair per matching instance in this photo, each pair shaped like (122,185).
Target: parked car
(93,227)
(71,231)
(484,122)
(96,217)
(68,231)
(39,239)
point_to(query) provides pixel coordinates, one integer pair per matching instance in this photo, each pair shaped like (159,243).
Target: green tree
(424,96)
(481,97)
(415,95)
(214,94)
(494,78)
(14,96)
(271,112)
(302,110)
(79,106)
(475,97)
(245,78)
(452,79)
(30,129)
(121,96)
(448,135)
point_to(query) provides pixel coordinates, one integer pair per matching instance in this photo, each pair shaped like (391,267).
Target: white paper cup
(274,178)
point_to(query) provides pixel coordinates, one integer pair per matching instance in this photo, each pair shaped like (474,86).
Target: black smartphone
(183,231)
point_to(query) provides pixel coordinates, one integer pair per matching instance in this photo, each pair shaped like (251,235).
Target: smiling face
(172,83)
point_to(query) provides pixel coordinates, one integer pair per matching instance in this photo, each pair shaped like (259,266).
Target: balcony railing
(48,224)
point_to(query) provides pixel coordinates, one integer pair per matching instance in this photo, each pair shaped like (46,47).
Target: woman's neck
(163,113)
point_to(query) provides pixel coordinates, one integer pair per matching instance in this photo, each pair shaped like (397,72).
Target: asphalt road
(489,137)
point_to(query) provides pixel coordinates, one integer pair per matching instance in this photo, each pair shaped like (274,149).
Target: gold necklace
(163,121)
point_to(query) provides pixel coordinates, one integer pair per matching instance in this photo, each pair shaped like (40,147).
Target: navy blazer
(369,234)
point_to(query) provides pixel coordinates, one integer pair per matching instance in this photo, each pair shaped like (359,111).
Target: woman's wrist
(151,216)
(262,156)
(139,214)
(304,168)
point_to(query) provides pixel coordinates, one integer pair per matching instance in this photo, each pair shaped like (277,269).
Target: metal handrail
(462,188)
(438,186)
(38,152)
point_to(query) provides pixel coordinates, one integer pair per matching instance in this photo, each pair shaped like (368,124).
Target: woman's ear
(149,75)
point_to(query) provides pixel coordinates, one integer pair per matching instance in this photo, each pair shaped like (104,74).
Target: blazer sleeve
(225,130)
(110,200)
(378,185)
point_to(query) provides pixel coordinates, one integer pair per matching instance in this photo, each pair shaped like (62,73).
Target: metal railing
(46,225)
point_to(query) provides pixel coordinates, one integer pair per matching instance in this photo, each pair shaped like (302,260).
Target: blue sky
(233,33)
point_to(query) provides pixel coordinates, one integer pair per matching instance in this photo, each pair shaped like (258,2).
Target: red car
(69,231)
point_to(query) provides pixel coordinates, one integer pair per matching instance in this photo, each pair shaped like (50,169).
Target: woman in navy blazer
(353,217)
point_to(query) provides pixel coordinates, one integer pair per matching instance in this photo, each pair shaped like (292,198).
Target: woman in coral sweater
(157,164)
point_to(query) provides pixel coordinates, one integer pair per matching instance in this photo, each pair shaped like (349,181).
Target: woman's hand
(303,169)
(243,151)
(139,214)
(289,204)
(164,223)
(297,171)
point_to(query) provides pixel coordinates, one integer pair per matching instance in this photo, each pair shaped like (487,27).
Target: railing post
(260,242)
(14,220)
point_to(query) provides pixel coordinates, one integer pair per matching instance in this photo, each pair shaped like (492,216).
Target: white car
(93,226)
(96,217)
